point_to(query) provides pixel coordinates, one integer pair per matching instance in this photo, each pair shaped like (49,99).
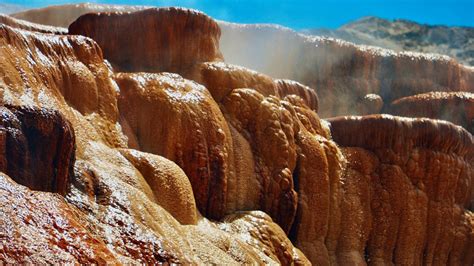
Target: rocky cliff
(128,205)
(107,156)
(411,190)
(179,38)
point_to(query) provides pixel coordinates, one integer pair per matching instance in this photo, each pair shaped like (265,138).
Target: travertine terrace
(135,138)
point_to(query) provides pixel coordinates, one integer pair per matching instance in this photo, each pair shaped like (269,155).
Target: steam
(342,73)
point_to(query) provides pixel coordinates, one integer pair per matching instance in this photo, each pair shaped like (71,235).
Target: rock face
(221,78)
(227,153)
(342,73)
(412,178)
(212,152)
(37,148)
(170,185)
(115,193)
(456,107)
(219,164)
(186,127)
(179,39)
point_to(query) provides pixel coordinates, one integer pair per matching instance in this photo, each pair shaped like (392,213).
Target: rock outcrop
(186,127)
(456,107)
(37,148)
(221,78)
(170,185)
(219,164)
(168,39)
(115,194)
(228,153)
(410,181)
(187,44)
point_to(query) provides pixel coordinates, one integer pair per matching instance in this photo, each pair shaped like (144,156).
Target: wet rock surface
(37,148)
(219,164)
(186,127)
(115,199)
(38,227)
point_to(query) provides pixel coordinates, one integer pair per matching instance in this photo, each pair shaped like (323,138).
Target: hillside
(404,35)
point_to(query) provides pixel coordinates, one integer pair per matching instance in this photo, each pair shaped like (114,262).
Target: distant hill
(404,35)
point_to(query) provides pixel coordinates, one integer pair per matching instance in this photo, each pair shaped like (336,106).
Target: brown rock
(190,39)
(356,218)
(456,107)
(398,192)
(75,80)
(221,78)
(186,127)
(420,178)
(238,175)
(270,130)
(38,228)
(289,87)
(317,180)
(422,133)
(37,148)
(270,240)
(168,39)
(244,190)
(169,184)
(370,104)
(111,199)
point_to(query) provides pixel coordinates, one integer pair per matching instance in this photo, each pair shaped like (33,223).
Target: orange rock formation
(456,107)
(37,148)
(408,190)
(218,164)
(180,38)
(115,198)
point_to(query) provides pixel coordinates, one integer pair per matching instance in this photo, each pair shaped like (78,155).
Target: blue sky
(301,14)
